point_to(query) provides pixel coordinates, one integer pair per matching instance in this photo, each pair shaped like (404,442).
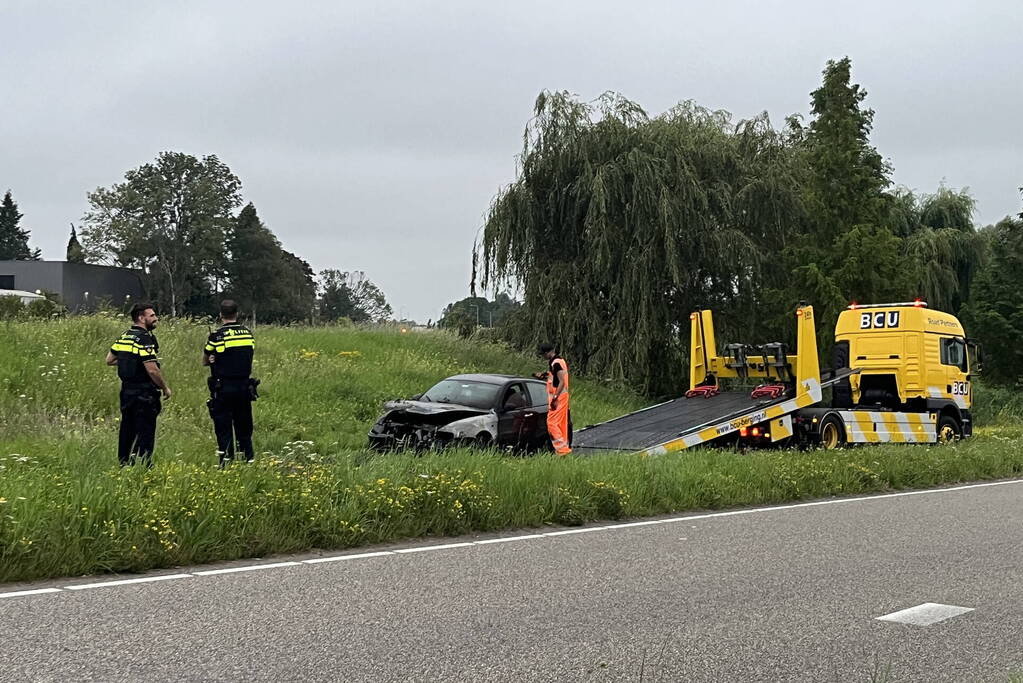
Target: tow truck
(901,374)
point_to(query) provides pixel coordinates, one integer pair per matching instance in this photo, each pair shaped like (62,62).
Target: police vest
(231,347)
(136,347)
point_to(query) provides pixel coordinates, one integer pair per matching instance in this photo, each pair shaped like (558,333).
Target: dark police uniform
(231,389)
(140,397)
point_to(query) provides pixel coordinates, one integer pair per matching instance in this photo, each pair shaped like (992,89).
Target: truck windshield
(464,393)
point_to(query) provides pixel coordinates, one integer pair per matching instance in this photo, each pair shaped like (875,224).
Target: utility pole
(477,314)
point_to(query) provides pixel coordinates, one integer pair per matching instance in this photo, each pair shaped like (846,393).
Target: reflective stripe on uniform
(132,347)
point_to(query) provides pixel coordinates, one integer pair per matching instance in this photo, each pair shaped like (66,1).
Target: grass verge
(66,509)
(59,523)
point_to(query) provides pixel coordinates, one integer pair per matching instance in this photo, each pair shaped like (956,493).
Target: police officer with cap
(138,367)
(228,353)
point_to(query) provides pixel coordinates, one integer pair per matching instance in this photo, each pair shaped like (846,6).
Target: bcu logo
(879,320)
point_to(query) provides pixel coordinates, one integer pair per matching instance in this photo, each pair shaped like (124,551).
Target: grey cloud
(373,136)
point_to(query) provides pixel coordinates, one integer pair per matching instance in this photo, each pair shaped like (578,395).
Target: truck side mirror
(976,353)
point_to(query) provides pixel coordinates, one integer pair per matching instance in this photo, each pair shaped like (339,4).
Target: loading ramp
(685,422)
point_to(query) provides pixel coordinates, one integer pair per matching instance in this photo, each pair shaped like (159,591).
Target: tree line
(620,224)
(179,220)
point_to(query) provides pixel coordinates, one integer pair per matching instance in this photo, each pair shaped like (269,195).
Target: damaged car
(467,410)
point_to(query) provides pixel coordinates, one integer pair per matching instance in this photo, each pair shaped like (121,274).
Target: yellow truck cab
(907,357)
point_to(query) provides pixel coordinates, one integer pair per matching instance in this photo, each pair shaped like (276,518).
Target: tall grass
(66,508)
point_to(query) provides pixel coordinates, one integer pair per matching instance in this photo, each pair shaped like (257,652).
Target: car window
(464,393)
(515,397)
(537,393)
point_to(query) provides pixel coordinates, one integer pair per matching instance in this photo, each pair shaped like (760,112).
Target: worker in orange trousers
(559,420)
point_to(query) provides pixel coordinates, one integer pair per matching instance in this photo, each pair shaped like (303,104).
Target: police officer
(138,367)
(228,353)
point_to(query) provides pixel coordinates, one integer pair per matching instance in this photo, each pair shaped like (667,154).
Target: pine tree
(847,209)
(75,253)
(268,282)
(254,264)
(848,175)
(14,240)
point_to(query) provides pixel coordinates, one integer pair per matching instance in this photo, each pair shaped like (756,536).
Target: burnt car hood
(428,412)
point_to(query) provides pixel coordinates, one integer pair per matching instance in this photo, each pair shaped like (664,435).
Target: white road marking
(355,556)
(424,548)
(563,532)
(37,591)
(247,568)
(125,582)
(925,614)
(649,522)
(507,539)
(567,532)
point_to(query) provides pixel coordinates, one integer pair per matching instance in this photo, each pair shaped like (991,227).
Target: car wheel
(483,440)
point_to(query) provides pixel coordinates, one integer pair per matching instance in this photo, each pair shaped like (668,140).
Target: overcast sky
(373,135)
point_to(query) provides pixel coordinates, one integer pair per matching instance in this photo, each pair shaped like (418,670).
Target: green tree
(294,291)
(75,253)
(168,218)
(477,308)
(13,239)
(351,295)
(255,266)
(336,300)
(846,249)
(995,313)
(848,176)
(619,225)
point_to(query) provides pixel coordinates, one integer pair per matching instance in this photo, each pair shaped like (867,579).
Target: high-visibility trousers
(557,425)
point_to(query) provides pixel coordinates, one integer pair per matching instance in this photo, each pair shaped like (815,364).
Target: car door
(538,395)
(516,418)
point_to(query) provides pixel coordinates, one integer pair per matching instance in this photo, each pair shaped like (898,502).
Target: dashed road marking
(36,591)
(506,539)
(925,614)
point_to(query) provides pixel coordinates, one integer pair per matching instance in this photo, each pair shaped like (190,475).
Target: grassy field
(67,509)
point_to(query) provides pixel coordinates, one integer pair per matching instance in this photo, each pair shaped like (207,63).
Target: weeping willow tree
(944,248)
(620,224)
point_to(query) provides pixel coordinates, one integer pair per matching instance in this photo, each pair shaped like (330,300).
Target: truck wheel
(949,429)
(832,433)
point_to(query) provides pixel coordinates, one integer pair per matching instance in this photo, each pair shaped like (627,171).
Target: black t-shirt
(232,347)
(556,365)
(136,347)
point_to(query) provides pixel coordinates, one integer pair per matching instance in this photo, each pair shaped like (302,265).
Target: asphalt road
(783,594)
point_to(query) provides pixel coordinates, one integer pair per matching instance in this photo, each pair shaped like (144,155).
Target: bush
(10,307)
(995,404)
(43,308)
